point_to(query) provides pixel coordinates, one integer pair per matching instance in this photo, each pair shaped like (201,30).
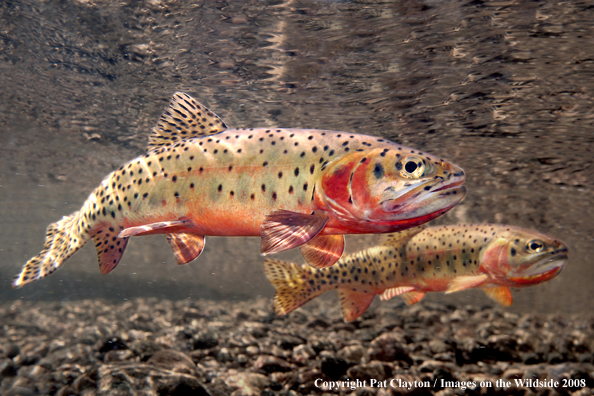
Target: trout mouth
(544,269)
(426,199)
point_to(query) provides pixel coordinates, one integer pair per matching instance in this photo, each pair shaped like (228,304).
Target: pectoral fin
(500,294)
(284,230)
(395,291)
(466,282)
(186,247)
(323,250)
(161,227)
(354,303)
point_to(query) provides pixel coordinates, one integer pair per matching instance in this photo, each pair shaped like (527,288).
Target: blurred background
(504,89)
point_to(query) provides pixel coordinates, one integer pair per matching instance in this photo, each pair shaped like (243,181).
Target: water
(500,88)
(503,89)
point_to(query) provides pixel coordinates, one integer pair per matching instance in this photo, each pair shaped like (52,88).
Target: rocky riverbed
(206,347)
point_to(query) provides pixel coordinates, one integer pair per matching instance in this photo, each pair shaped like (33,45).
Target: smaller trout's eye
(534,246)
(411,167)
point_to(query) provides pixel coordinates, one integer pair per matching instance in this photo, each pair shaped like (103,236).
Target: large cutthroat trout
(293,187)
(414,262)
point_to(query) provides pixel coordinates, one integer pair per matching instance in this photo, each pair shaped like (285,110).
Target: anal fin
(323,250)
(109,251)
(466,282)
(395,291)
(186,247)
(354,303)
(500,294)
(284,229)
(161,227)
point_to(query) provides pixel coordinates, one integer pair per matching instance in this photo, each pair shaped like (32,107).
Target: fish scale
(416,261)
(293,187)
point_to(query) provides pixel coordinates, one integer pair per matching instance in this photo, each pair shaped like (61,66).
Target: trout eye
(411,167)
(534,246)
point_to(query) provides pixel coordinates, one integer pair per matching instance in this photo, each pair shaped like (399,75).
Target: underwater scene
(372,197)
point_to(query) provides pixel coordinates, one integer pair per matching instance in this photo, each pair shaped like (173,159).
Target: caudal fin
(62,239)
(292,284)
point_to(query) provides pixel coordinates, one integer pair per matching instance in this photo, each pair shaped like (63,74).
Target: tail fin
(292,284)
(62,239)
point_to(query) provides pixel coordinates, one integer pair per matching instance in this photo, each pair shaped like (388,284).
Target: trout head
(519,257)
(385,190)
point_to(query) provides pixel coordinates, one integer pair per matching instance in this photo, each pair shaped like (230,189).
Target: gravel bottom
(204,347)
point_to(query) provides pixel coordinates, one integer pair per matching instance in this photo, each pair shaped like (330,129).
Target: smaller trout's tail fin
(62,239)
(292,284)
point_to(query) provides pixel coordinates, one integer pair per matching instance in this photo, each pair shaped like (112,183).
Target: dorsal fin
(397,239)
(184,119)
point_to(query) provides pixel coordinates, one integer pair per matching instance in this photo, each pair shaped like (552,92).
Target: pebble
(173,360)
(269,364)
(237,348)
(303,353)
(351,353)
(388,347)
(372,370)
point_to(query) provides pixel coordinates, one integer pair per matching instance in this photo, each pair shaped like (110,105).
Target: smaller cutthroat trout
(413,262)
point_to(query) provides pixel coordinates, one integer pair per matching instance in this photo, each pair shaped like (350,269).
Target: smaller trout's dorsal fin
(184,119)
(397,239)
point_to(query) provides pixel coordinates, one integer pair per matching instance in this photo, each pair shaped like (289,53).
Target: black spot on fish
(274,196)
(296,171)
(192,185)
(291,190)
(378,171)
(220,187)
(145,195)
(312,168)
(305,187)
(280,175)
(263,187)
(174,179)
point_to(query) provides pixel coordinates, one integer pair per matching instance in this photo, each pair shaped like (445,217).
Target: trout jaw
(425,201)
(540,271)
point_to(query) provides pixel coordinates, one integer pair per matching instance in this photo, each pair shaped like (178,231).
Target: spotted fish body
(417,261)
(293,187)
